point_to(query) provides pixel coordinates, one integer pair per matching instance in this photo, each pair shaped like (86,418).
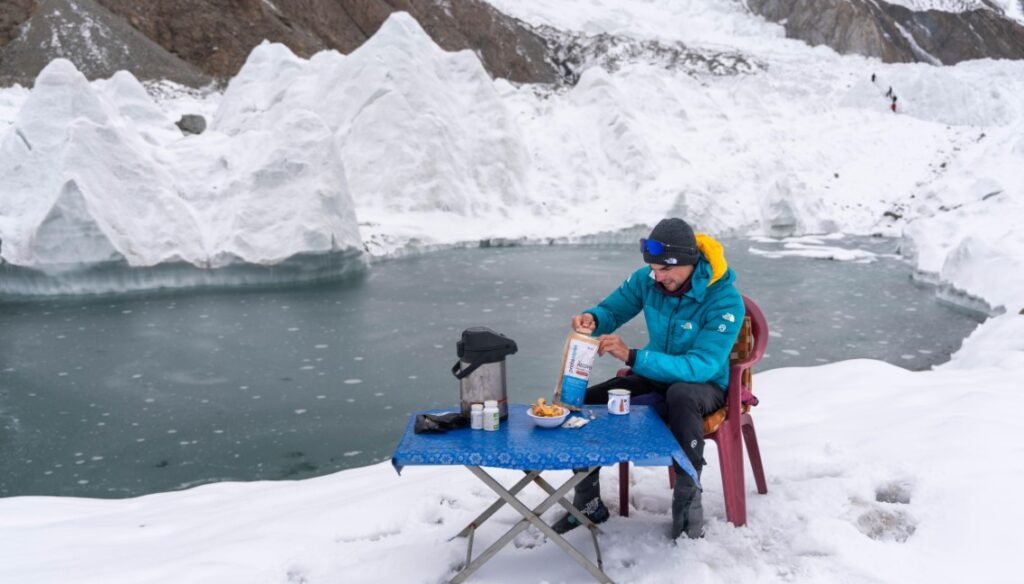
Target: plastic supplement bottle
(476,416)
(491,415)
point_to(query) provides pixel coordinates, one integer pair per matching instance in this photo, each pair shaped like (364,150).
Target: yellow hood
(714,253)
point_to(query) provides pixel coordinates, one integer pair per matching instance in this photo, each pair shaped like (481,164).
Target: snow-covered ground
(876,474)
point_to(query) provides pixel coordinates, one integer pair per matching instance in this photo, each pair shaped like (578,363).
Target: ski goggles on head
(656,248)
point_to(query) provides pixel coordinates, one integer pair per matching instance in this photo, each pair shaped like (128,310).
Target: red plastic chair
(727,435)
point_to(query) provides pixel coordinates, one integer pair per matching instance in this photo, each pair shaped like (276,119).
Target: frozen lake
(121,397)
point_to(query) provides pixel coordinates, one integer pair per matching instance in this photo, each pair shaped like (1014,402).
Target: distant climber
(872,77)
(893,106)
(889,93)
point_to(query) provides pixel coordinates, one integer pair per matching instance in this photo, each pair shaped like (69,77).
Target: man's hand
(614,346)
(584,323)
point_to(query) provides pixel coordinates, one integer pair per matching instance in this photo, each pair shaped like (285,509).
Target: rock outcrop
(216,37)
(12,14)
(895,33)
(98,42)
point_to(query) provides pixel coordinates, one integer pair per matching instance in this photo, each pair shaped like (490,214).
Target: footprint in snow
(887,519)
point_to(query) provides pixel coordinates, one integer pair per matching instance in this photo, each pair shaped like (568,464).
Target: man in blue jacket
(693,316)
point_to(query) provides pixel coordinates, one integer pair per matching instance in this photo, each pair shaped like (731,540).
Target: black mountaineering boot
(687,511)
(588,500)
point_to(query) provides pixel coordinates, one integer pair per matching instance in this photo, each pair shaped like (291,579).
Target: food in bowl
(545,410)
(547,415)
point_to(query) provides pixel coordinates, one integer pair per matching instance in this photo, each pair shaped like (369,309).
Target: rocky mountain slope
(215,38)
(195,41)
(97,41)
(896,33)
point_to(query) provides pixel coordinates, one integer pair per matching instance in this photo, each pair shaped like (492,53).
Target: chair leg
(754,453)
(624,489)
(730,458)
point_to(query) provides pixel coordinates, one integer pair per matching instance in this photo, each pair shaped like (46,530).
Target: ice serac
(419,129)
(269,193)
(103,194)
(70,220)
(426,129)
(81,187)
(623,147)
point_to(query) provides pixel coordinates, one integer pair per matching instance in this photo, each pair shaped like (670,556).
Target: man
(693,316)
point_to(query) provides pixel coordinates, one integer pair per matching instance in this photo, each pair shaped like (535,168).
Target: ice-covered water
(120,397)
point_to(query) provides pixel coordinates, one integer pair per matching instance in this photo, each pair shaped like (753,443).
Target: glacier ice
(418,128)
(96,176)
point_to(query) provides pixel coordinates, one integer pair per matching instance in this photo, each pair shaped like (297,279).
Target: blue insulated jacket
(690,336)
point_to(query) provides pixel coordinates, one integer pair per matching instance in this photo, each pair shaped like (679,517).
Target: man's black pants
(688,404)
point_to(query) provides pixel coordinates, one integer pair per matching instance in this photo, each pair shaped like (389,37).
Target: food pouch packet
(577,362)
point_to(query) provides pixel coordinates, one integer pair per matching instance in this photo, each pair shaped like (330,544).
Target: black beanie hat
(682,244)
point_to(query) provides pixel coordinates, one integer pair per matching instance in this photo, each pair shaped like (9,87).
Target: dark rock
(12,14)
(97,42)
(218,36)
(191,124)
(573,53)
(879,29)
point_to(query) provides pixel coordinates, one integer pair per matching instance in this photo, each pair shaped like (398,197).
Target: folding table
(640,437)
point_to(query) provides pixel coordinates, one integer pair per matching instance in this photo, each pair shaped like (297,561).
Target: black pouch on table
(438,423)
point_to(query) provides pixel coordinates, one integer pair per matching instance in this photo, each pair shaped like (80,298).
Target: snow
(1011,8)
(875,473)
(941,5)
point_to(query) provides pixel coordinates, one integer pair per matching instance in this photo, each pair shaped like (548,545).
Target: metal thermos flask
(481,368)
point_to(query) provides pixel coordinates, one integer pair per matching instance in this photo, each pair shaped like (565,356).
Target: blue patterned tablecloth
(640,437)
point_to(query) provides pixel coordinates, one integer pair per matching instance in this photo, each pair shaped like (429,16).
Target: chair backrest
(751,342)
(759,328)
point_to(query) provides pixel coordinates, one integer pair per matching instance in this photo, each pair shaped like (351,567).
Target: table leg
(531,516)
(583,519)
(530,476)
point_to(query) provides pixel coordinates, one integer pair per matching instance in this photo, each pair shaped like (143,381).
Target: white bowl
(548,421)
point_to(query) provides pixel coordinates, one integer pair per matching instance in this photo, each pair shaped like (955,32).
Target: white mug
(618,401)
